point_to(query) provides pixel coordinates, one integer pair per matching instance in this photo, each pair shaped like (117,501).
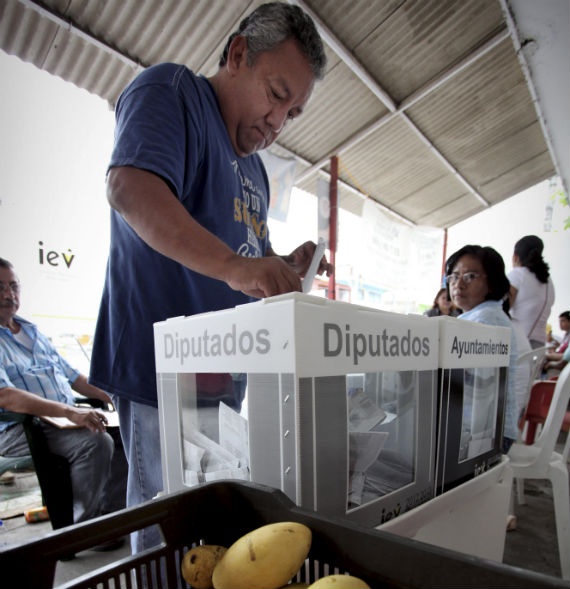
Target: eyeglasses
(467,277)
(13,286)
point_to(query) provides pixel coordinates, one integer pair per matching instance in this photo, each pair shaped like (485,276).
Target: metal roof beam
(346,186)
(70,26)
(348,58)
(357,68)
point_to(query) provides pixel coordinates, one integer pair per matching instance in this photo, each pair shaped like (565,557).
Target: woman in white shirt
(532,292)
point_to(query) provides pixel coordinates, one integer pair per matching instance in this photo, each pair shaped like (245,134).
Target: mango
(265,558)
(339,582)
(198,565)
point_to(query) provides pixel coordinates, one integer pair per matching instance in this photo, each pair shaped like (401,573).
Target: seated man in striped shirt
(35,379)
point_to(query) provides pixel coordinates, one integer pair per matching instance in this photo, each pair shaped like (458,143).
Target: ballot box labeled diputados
(474,361)
(333,403)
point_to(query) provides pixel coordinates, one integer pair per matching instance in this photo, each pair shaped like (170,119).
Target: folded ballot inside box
(473,373)
(330,402)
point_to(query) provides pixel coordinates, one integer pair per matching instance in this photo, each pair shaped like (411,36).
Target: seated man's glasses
(13,286)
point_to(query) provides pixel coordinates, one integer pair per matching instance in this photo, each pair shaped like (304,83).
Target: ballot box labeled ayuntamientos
(474,361)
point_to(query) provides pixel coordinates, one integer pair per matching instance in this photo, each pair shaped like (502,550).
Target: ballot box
(474,360)
(334,404)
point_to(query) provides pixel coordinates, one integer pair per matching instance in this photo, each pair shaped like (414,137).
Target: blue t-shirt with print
(169,123)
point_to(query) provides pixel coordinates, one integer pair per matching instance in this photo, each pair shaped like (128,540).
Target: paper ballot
(233,433)
(312,271)
(206,460)
(363,412)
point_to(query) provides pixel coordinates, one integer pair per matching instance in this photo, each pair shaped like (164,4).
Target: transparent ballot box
(332,403)
(474,361)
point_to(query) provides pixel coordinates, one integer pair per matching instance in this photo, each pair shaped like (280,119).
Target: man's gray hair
(273,23)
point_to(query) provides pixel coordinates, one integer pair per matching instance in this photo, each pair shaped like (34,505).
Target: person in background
(531,293)
(478,285)
(553,360)
(442,305)
(555,367)
(189,199)
(551,342)
(564,322)
(35,379)
(522,378)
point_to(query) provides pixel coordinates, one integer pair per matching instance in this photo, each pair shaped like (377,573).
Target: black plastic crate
(220,513)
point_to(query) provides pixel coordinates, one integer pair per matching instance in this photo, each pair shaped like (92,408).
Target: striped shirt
(40,370)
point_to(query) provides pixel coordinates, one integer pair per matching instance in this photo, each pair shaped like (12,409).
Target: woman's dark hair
(529,251)
(439,292)
(273,23)
(565,314)
(493,265)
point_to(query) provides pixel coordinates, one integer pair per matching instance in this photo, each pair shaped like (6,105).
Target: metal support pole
(444,256)
(333,198)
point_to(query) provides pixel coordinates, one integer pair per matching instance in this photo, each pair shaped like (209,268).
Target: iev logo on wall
(54,258)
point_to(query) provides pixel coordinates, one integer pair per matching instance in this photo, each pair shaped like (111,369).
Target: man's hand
(92,419)
(262,277)
(21,401)
(300,259)
(272,274)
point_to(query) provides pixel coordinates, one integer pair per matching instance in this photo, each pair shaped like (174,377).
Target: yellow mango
(265,558)
(339,582)
(198,565)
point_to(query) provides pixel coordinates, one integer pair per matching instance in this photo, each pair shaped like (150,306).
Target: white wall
(56,143)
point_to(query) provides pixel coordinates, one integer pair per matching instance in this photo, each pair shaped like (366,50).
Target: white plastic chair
(540,461)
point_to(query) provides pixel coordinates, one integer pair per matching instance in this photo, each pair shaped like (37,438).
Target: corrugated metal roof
(424,101)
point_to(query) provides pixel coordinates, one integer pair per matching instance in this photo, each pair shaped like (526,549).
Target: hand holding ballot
(273,274)
(300,258)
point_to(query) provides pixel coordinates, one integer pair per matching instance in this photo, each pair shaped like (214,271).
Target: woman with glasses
(531,292)
(476,281)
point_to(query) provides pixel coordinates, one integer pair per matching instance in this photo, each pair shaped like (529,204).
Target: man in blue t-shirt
(189,220)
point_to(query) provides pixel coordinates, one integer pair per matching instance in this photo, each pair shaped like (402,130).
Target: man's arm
(553,356)
(81,386)
(148,205)
(20,401)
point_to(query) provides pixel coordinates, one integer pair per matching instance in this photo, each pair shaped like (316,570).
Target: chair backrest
(52,470)
(541,394)
(551,429)
(533,359)
(566,450)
